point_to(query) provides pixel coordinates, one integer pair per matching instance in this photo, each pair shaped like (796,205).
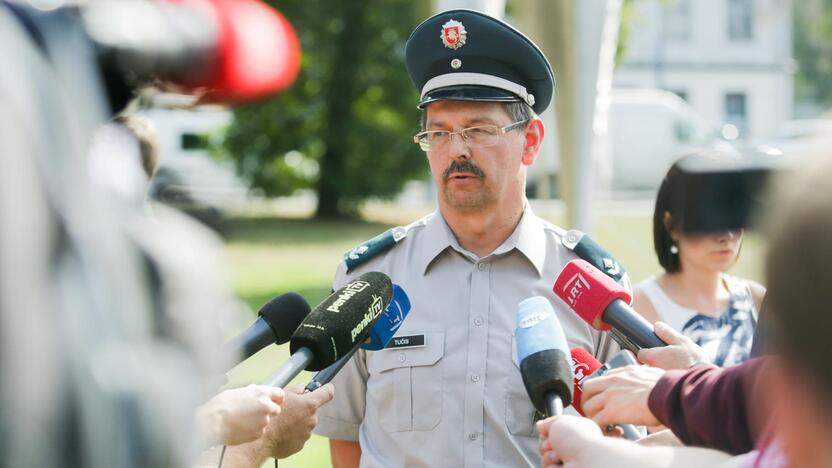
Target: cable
(222,455)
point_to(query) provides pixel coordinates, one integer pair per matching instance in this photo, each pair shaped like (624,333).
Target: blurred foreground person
(694,294)
(799,378)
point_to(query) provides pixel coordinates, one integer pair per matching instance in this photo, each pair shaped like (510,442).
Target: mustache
(462,166)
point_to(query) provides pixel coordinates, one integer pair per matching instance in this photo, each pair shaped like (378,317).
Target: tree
(812,35)
(345,126)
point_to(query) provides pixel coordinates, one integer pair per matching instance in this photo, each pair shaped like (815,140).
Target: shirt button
(473,436)
(475,378)
(478,321)
(402,357)
(481,266)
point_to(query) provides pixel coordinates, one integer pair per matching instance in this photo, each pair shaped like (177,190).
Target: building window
(677,20)
(740,19)
(736,111)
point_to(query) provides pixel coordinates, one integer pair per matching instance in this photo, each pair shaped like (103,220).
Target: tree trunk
(340,95)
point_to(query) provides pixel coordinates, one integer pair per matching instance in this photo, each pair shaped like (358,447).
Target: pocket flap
(393,358)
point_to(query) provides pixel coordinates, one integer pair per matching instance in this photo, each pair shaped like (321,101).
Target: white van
(649,129)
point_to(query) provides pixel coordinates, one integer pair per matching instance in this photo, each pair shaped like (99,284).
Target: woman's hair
(661,232)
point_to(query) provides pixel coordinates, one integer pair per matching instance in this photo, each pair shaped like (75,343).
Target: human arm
(344,453)
(620,396)
(285,434)
(238,415)
(680,353)
(713,407)
(578,442)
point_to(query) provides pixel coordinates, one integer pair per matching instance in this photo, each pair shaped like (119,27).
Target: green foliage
(812,36)
(344,127)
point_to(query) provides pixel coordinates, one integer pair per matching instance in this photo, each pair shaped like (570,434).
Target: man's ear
(533,138)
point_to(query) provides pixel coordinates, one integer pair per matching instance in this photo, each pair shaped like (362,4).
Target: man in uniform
(447,391)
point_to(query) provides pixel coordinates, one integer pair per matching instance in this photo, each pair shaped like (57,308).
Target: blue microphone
(381,334)
(543,353)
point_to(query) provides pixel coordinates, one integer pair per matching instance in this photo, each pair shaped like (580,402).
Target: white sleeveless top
(726,338)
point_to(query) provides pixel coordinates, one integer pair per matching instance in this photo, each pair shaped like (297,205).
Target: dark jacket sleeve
(719,408)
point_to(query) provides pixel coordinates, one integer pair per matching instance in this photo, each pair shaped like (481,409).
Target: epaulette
(374,246)
(589,250)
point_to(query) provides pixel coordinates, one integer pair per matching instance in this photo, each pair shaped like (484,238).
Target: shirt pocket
(520,412)
(406,385)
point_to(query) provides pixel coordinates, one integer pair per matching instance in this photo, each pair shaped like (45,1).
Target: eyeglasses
(474,137)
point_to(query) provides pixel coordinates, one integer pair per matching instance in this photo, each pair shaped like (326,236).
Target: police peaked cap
(465,55)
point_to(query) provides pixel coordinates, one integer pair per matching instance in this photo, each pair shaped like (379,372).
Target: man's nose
(458,147)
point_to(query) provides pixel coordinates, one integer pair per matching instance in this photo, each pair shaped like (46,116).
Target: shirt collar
(528,237)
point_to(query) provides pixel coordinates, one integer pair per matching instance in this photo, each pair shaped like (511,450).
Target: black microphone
(545,363)
(337,325)
(381,334)
(603,303)
(276,322)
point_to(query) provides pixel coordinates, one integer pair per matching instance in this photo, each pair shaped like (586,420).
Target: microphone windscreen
(543,352)
(583,365)
(537,328)
(588,292)
(343,320)
(389,322)
(257,52)
(284,315)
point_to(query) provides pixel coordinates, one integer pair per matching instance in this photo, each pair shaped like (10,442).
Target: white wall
(708,64)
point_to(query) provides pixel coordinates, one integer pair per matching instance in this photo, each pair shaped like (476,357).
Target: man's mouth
(462,176)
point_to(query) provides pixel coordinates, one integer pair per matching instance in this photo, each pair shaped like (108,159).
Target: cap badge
(453,34)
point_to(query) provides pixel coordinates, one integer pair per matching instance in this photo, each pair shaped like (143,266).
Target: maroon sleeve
(713,407)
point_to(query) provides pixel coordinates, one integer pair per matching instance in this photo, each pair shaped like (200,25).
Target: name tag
(410,341)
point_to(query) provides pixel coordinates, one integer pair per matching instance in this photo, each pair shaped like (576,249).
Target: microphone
(338,324)
(603,303)
(543,355)
(381,334)
(586,367)
(226,51)
(276,322)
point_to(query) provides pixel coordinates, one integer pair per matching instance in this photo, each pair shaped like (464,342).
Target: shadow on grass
(272,230)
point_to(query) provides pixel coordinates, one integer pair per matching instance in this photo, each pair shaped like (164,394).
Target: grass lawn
(272,255)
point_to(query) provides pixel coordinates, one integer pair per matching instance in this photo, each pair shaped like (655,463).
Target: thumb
(667,333)
(323,395)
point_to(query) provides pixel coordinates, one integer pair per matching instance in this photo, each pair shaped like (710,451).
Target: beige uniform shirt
(457,399)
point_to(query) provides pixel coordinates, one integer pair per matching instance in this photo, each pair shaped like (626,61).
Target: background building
(730,59)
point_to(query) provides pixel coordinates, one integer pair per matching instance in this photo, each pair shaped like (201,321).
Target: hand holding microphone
(680,353)
(603,303)
(238,415)
(620,396)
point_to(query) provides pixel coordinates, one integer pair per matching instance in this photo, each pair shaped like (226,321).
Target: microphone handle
(554,404)
(253,339)
(623,318)
(324,376)
(630,432)
(291,368)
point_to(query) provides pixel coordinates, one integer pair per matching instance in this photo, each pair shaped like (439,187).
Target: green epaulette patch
(374,246)
(589,250)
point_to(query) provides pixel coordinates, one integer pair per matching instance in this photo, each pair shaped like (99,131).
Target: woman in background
(694,295)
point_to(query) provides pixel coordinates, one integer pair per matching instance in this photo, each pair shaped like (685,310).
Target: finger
(667,333)
(594,405)
(611,430)
(323,395)
(277,394)
(649,355)
(297,389)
